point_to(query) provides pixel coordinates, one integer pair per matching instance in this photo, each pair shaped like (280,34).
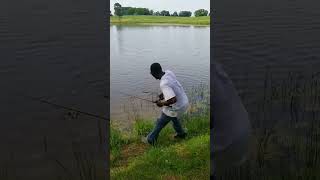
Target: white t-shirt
(170,88)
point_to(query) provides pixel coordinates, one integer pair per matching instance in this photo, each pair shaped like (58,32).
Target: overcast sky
(169,5)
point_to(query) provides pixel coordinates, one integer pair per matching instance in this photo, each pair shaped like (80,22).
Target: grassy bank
(169,158)
(161,20)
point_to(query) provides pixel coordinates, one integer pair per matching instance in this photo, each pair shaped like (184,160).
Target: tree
(125,10)
(142,11)
(110,13)
(131,11)
(118,10)
(175,14)
(200,12)
(185,13)
(165,13)
(151,12)
(157,13)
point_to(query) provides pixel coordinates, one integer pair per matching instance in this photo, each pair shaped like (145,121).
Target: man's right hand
(161,96)
(158,103)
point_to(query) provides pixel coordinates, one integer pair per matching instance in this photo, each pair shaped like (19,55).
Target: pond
(185,50)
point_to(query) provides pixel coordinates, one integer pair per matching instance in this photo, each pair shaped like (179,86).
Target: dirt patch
(130,151)
(182,152)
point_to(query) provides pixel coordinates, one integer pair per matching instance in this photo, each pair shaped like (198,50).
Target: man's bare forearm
(169,101)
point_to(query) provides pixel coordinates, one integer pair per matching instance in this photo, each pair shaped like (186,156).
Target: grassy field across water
(170,20)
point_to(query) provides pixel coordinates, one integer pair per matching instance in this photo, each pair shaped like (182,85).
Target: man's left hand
(159,103)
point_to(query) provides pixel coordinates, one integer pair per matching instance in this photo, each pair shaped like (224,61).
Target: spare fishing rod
(65,107)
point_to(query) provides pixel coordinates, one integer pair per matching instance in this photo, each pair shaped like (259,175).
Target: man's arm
(167,103)
(169,96)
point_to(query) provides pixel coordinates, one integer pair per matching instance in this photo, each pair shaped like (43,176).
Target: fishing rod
(67,108)
(138,97)
(135,97)
(143,98)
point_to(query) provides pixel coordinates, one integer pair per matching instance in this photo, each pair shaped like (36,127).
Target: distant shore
(160,20)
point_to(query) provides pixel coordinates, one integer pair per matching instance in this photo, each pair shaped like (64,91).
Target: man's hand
(161,96)
(159,103)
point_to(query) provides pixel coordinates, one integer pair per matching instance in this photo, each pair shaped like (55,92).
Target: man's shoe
(180,136)
(145,140)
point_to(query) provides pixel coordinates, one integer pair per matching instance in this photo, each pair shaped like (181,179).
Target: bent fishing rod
(143,98)
(65,107)
(135,97)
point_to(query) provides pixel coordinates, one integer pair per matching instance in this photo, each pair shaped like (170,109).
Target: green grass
(181,160)
(169,158)
(164,20)
(117,140)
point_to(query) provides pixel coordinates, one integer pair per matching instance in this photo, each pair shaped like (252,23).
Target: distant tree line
(125,11)
(136,11)
(201,12)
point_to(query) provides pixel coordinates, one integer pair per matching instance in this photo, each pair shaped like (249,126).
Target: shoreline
(161,21)
(158,24)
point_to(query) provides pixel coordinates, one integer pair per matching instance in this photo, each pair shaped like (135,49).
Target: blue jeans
(161,123)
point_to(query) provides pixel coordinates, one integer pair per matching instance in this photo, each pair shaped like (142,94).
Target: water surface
(185,50)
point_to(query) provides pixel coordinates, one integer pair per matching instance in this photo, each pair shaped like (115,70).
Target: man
(231,125)
(173,100)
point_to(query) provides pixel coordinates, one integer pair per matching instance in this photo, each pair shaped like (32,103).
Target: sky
(169,5)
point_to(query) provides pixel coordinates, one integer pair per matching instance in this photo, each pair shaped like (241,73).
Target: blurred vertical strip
(106,28)
(212,33)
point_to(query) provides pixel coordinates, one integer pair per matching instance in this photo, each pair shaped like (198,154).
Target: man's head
(156,70)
